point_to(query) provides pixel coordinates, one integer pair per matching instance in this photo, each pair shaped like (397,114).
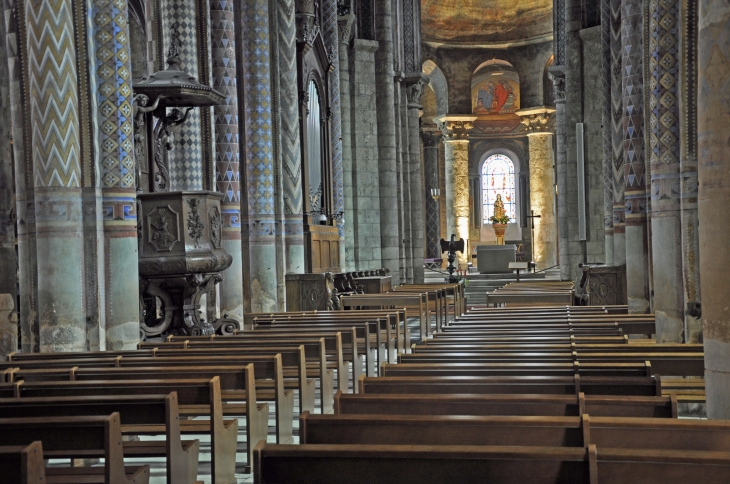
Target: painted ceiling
(485,20)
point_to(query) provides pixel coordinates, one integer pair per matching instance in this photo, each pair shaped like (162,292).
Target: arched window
(498,177)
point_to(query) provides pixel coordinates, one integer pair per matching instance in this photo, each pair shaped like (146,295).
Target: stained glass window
(498,177)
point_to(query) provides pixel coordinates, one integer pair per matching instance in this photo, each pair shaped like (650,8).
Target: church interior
(365,241)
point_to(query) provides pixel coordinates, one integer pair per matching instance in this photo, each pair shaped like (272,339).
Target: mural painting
(496,96)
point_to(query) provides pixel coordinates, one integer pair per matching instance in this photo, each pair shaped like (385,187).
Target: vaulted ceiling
(471,21)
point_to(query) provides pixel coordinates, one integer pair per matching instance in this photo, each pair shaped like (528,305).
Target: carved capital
(557,75)
(345,28)
(307,28)
(538,120)
(415,83)
(430,137)
(455,127)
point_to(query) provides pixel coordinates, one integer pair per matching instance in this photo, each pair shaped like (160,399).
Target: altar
(495,258)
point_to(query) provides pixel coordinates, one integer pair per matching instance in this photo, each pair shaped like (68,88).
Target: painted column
(331,42)
(539,123)
(55,148)
(617,138)
(365,166)
(185,159)
(345,25)
(713,109)
(637,249)
(456,138)
(415,91)
(258,225)
(664,158)
(431,172)
(607,133)
(227,153)
(291,156)
(688,166)
(17,56)
(120,290)
(387,157)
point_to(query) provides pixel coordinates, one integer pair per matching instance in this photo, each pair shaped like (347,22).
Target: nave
(528,393)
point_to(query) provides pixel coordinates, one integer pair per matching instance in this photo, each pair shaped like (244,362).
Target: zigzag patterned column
(713,109)
(113,92)
(617,138)
(665,127)
(637,272)
(258,223)
(607,134)
(227,154)
(185,159)
(331,42)
(55,145)
(291,154)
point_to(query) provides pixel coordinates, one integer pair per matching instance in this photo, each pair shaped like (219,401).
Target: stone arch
(437,82)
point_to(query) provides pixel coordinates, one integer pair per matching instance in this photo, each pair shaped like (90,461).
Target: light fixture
(435,193)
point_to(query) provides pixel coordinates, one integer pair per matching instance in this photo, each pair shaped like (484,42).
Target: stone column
(227,153)
(558,77)
(431,172)
(416,84)
(258,224)
(637,269)
(291,153)
(119,254)
(8,259)
(665,125)
(713,108)
(607,133)
(539,123)
(331,42)
(456,137)
(345,25)
(55,148)
(365,168)
(617,139)
(404,194)
(387,157)
(17,57)
(688,167)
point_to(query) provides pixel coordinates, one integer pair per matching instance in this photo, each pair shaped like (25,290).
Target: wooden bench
(73,436)
(417,303)
(22,464)
(526,405)
(454,292)
(194,392)
(459,368)
(405,464)
(181,455)
(235,381)
(555,385)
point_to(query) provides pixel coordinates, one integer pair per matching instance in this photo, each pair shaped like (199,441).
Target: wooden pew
(515,369)
(436,298)
(194,392)
(354,464)
(523,298)
(235,381)
(454,292)
(405,464)
(73,436)
(305,350)
(181,456)
(556,385)
(526,405)
(22,464)
(412,302)
(363,332)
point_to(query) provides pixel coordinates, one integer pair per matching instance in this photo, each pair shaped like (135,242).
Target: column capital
(537,120)
(345,29)
(557,75)
(455,127)
(430,136)
(415,82)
